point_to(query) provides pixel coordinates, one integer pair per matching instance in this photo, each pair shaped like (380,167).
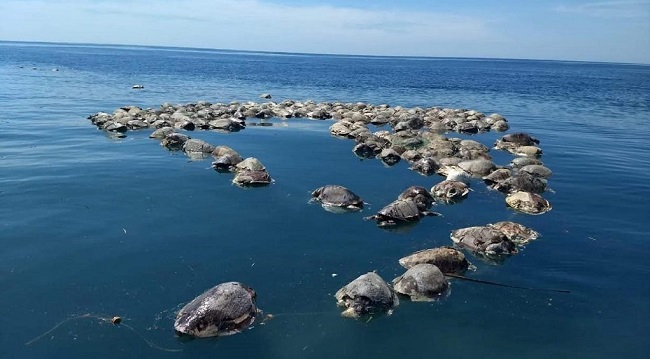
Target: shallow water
(92,224)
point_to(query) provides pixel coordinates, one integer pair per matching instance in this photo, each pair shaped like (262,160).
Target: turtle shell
(423,199)
(526,202)
(483,240)
(368,294)
(401,210)
(250,164)
(225,309)
(422,282)
(339,196)
(447,259)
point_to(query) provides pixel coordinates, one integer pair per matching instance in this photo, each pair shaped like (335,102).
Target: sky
(609,31)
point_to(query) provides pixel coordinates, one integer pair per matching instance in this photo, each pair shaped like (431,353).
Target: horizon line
(286,53)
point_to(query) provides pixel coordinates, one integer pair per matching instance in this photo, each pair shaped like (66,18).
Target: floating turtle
(520,162)
(517,233)
(367,295)
(484,240)
(225,159)
(250,164)
(477,168)
(447,259)
(420,195)
(450,191)
(401,211)
(252,178)
(174,141)
(522,181)
(425,166)
(537,170)
(526,202)
(225,309)
(162,132)
(422,282)
(389,156)
(197,146)
(515,140)
(333,197)
(496,176)
(528,151)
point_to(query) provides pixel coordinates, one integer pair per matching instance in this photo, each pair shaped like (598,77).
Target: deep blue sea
(99,226)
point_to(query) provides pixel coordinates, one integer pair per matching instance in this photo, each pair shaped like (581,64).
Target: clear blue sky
(616,30)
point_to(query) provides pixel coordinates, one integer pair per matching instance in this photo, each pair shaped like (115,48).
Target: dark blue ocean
(98,226)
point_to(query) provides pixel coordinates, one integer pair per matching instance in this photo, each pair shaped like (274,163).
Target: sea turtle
(496,176)
(425,166)
(515,140)
(225,158)
(483,240)
(537,170)
(520,162)
(225,309)
(422,282)
(389,156)
(526,202)
(252,178)
(517,233)
(197,146)
(447,259)
(250,164)
(521,181)
(450,191)
(367,295)
(420,195)
(528,151)
(337,197)
(366,149)
(160,133)
(174,141)
(401,211)
(226,163)
(477,168)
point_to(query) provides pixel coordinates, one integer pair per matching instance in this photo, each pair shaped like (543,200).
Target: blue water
(94,225)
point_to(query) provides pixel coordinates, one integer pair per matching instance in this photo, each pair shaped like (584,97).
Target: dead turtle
(425,166)
(520,162)
(517,233)
(420,195)
(537,171)
(250,164)
(194,145)
(447,259)
(389,156)
(496,176)
(398,212)
(367,295)
(174,141)
(521,181)
(161,132)
(477,168)
(513,140)
(335,197)
(226,163)
(225,309)
(483,240)
(529,203)
(450,191)
(422,282)
(252,178)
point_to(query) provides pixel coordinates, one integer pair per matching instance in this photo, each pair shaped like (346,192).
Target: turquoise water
(90,224)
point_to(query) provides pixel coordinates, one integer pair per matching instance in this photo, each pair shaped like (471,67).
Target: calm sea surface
(101,226)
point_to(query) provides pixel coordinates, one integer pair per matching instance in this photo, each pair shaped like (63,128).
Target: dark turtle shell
(447,259)
(522,181)
(338,196)
(225,309)
(483,240)
(422,282)
(366,295)
(422,198)
(255,178)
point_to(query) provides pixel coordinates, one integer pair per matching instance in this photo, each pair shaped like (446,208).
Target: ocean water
(97,226)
